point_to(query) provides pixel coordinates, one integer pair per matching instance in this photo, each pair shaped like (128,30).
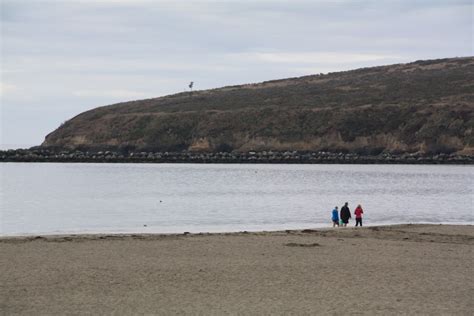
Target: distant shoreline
(252,157)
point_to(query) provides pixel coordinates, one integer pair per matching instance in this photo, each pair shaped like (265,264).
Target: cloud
(315,57)
(127,94)
(6,88)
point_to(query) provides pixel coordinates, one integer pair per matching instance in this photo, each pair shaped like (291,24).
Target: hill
(424,106)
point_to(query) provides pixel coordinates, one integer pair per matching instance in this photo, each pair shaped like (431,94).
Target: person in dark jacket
(345,214)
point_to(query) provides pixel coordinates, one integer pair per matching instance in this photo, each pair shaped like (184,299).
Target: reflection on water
(67,198)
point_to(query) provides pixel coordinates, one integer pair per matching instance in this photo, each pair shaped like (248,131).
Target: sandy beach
(402,269)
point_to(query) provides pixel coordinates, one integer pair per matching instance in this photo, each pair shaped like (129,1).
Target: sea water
(60,198)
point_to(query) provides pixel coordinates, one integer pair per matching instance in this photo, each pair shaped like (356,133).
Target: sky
(60,58)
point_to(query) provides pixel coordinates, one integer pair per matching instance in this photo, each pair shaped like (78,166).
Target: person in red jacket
(358,214)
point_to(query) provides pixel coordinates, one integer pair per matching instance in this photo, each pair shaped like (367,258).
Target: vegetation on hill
(425,106)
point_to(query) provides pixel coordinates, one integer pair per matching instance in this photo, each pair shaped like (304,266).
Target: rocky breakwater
(321,157)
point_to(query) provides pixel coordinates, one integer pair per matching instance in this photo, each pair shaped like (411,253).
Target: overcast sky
(60,58)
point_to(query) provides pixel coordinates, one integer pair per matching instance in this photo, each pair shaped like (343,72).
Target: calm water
(73,198)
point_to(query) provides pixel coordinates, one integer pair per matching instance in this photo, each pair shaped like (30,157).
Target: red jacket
(358,212)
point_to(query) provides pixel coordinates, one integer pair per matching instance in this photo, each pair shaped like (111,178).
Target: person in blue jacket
(335,217)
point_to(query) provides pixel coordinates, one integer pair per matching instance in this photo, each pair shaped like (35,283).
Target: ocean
(70,198)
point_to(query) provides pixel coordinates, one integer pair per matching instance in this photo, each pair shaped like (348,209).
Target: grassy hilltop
(425,106)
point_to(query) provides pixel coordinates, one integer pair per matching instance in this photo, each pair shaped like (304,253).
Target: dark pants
(358,221)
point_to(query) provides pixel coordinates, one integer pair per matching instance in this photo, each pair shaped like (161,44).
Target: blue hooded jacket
(335,215)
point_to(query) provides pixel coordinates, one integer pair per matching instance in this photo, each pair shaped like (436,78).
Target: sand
(404,269)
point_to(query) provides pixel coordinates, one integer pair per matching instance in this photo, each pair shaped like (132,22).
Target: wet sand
(402,269)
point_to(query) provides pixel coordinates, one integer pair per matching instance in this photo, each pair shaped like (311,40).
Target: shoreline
(158,235)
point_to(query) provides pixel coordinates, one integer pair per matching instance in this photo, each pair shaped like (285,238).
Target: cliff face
(425,106)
